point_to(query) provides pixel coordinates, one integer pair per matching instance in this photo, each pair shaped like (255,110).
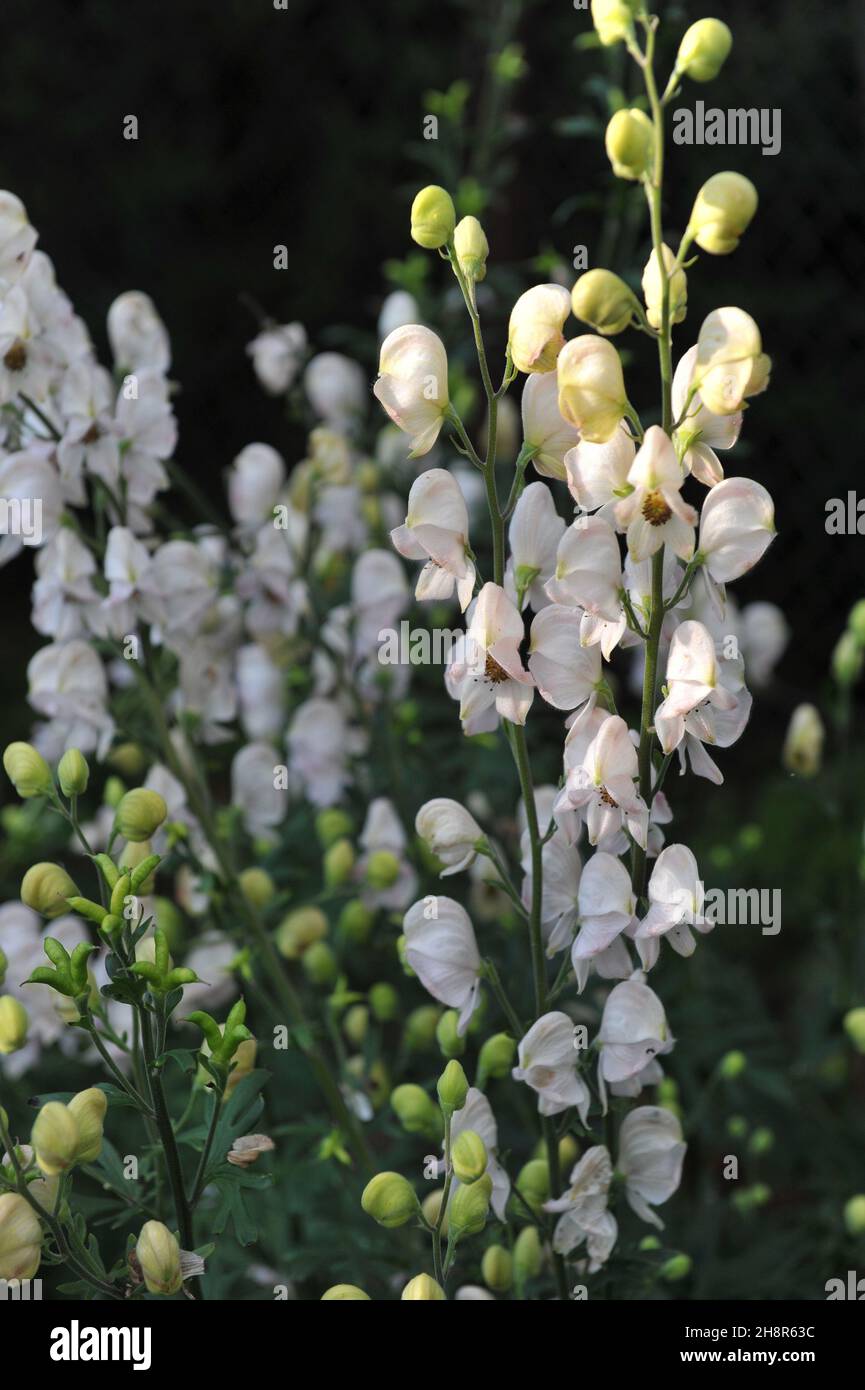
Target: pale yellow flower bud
(345,1293)
(722,211)
(20,1237)
(13,1024)
(389,1199)
(704,49)
(472,248)
(497,1268)
(140,814)
(55,1138)
(628,142)
(469,1156)
(159,1257)
(653,288)
(730,361)
(432,217)
(535,336)
(469,1207)
(423,1287)
(613,19)
(45,888)
(27,770)
(257,886)
(299,930)
(88,1108)
(803,746)
(592,387)
(604,301)
(73,773)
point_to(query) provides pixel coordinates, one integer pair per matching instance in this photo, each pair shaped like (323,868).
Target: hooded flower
(651,1153)
(693,676)
(737,526)
(441,949)
(675,905)
(535,336)
(336,389)
(633,1032)
(597,474)
(413,384)
(699,433)
(450,832)
(489,672)
(589,569)
(548,1063)
(534,534)
(730,363)
(584,1209)
(565,672)
(654,513)
(436,530)
(607,908)
(603,788)
(561,880)
(545,430)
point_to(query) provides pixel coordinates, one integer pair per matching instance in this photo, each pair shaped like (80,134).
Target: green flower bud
(472,248)
(345,1293)
(55,1138)
(356,921)
(433,217)
(416,1112)
(330,826)
(88,1108)
(420,1028)
(431,1207)
(27,770)
(854,1027)
(320,965)
(113,792)
(533,1184)
(628,141)
(604,301)
(469,1156)
(257,887)
(73,773)
(497,1269)
(527,1253)
(128,758)
(497,1056)
(453,1087)
(140,864)
(613,20)
(338,863)
(159,1258)
(469,1207)
(731,1065)
(751,1198)
(722,212)
(45,888)
(13,1024)
(449,1040)
(384,1002)
(423,1287)
(737,1126)
(649,1243)
(140,814)
(856,621)
(297,932)
(847,660)
(119,893)
(761,1141)
(389,1199)
(704,50)
(382,870)
(676,1268)
(854,1215)
(355,1025)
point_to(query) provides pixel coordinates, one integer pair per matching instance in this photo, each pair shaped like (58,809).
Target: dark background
(260,126)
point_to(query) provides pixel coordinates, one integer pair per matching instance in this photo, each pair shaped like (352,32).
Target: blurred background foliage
(305,127)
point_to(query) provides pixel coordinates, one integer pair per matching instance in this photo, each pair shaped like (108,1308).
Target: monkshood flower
(534,534)
(730,363)
(606,910)
(654,514)
(336,388)
(255,481)
(603,786)
(262,805)
(561,881)
(584,1209)
(436,530)
(633,1033)
(548,1063)
(64,595)
(260,692)
(25,364)
(651,1153)
(589,569)
(535,336)
(30,478)
(693,676)
(320,744)
(138,337)
(441,949)
(399,308)
(699,433)
(91,438)
(383,834)
(477,1116)
(413,384)
(737,526)
(565,672)
(67,683)
(591,387)
(545,431)
(675,906)
(450,832)
(597,474)
(379,594)
(276,354)
(17,238)
(488,671)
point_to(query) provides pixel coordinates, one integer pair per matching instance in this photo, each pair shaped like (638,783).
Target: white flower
(260,690)
(91,437)
(63,591)
(548,1063)
(489,671)
(545,430)
(589,569)
(561,879)
(442,951)
(597,474)
(584,1209)
(254,483)
(730,363)
(436,529)
(67,683)
(276,356)
(450,832)
(603,787)
(261,804)
(693,676)
(654,513)
(17,238)
(651,1152)
(699,431)
(633,1033)
(535,336)
(137,334)
(33,482)
(379,594)
(319,746)
(336,388)
(400,308)
(184,579)
(413,384)
(676,905)
(534,535)
(737,525)
(565,672)
(606,907)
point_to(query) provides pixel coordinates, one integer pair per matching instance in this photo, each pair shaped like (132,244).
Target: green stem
(198,1184)
(166,1135)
